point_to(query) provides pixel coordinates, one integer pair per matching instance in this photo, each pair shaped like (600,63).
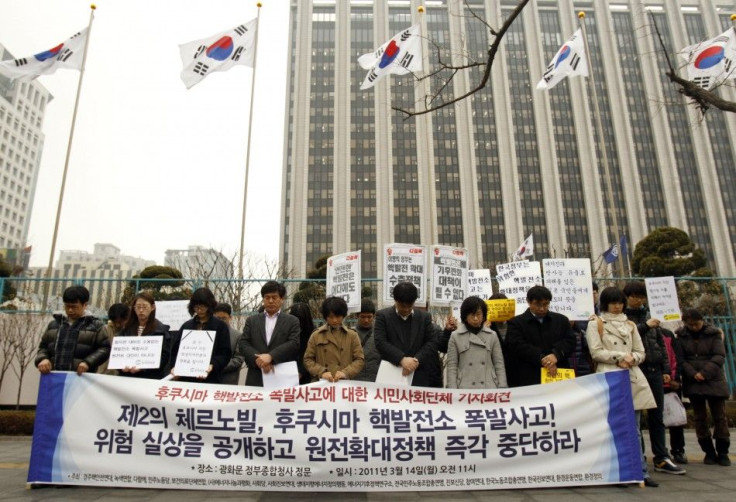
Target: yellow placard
(562,374)
(501,310)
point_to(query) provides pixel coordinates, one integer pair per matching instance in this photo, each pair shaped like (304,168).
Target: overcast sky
(155,166)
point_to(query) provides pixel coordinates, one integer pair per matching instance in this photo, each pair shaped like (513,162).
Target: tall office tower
(22,107)
(510,161)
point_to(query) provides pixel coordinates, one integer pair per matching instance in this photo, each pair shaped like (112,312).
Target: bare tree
(445,71)
(7,343)
(26,333)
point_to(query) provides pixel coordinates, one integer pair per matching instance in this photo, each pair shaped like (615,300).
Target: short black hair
(74,294)
(118,311)
(595,286)
(498,296)
(538,293)
(406,292)
(367,307)
(691,315)
(224,307)
(273,287)
(635,288)
(471,305)
(611,295)
(334,305)
(202,296)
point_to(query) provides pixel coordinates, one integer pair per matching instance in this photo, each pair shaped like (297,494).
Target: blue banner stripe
(47,426)
(623,425)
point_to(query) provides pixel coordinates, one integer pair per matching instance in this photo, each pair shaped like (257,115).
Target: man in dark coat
(269,338)
(75,341)
(538,339)
(405,337)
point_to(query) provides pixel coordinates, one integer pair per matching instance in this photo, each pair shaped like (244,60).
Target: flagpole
(604,150)
(247,154)
(92,7)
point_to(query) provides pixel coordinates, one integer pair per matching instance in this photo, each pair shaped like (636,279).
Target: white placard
(173,313)
(404,262)
(516,278)
(449,275)
(389,374)
(142,352)
(662,298)
(479,283)
(571,284)
(343,278)
(281,376)
(195,352)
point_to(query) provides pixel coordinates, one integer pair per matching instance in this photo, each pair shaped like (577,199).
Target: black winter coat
(160,329)
(704,353)
(93,344)
(656,363)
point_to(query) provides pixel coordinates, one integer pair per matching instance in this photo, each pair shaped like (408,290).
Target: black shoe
(668,466)
(679,457)
(650,483)
(724,460)
(710,459)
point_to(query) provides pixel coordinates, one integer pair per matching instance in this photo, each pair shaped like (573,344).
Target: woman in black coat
(142,322)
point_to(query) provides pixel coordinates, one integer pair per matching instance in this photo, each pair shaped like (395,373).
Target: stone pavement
(702,483)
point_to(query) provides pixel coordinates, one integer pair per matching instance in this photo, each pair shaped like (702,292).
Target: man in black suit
(538,339)
(269,338)
(405,337)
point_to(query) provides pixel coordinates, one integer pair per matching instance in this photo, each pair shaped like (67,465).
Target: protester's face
(334,320)
(694,326)
(595,297)
(143,310)
(201,312)
(404,309)
(475,320)
(74,310)
(615,308)
(635,301)
(539,308)
(272,303)
(223,316)
(365,320)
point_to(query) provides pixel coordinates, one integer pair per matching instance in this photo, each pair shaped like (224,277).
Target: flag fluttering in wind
(68,54)
(526,249)
(611,254)
(400,55)
(570,61)
(218,53)
(710,63)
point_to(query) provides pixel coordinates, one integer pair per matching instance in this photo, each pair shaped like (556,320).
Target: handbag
(673,412)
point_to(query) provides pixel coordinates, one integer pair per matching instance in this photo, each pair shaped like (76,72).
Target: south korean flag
(400,55)
(218,53)
(68,54)
(569,61)
(711,63)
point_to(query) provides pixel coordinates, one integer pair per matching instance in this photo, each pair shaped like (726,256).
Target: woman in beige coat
(614,344)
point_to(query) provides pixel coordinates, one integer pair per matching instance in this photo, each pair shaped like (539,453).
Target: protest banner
(404,262)
(449,275)
(516,278)
(101,430)
(501,310)
(571,284)
(343,278)
(173,313)
(662,298)
(142,352)
(479,283)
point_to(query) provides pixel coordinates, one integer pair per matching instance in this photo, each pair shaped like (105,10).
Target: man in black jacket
(538,339)
(405,337)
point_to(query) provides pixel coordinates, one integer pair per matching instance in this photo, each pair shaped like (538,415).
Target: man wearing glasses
(75,341)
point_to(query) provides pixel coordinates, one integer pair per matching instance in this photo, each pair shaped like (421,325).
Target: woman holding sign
(474,355)
(142,322)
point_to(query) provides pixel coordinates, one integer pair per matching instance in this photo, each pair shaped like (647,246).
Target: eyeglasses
(199,307)
(143,306)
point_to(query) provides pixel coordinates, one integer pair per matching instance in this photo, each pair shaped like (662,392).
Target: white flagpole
(250,135)
(602,136)
(66,162)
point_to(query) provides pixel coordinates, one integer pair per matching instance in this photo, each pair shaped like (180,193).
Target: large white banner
(103,430)
(343,278)
(405,262)
(571,284)
(516,278)
(449,275)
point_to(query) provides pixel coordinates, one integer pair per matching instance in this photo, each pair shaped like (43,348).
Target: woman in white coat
(614,343)
(474,356)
